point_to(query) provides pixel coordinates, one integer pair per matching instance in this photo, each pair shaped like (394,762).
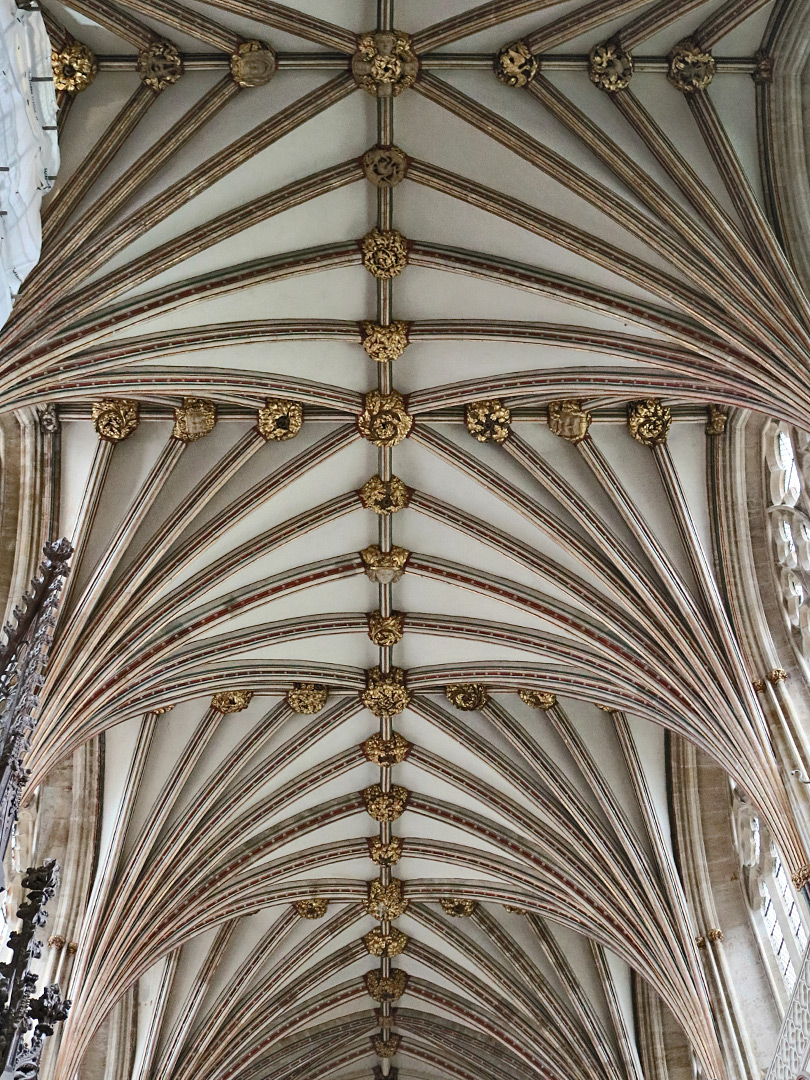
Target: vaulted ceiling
(381,604)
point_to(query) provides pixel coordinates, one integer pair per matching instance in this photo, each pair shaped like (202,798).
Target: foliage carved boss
(385,253)
(488,420)
(384,343)
(159,65)
(649,421)
(115,419)
(515,65)
(74,67)
(610,67)
(384,421)
(384,63)
(385,693)
(280,419)
(690,68)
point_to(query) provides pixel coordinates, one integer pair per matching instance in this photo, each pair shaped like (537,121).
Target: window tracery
(789,513)
(775,912)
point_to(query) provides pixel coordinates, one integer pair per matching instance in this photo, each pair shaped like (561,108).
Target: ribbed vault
(565,269)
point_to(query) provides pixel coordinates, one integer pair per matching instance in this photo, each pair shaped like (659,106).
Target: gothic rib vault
(384,393)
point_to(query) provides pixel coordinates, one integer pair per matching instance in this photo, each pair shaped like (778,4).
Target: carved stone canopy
(74,67)
(384,64)
(253,64)
(515,65)
(690,68)
(159,65)
(385,166)
(610,67)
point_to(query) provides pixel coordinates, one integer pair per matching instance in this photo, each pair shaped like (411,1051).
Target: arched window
(775,911)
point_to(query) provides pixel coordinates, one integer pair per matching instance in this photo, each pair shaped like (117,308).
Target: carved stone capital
(314,908)
(194,419)
(488,420)
(515,65)
(385,252)
(280,419)
(159,65)
(568,420)
(385,166)
(538,699)
(253,64)
(385,805)
(384,496)
(716,421)
(467,696)
(386,629)
(384,343)
(56,941)
(386,693)
(385,902)
(649,421)
(758,685)
(307,698)
(115,419)
(801,877)
(714,935)
(458,909)
(74,67)
(776,675)
(610,67)
(386,987)
(384,420)
(384,567)
(381,942)
(386,752)
(231,701)
(384,63)
(690,68)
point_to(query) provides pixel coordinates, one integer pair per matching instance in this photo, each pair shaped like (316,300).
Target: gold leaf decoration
(384,420)
(385,253)
(194,419)
(385,901)
(690,68)
(280,419)
(515,65)
(381,942)
(159,65)
(385,805)
(384,567)
(716,422)
(488,420)
(384,63)
(312,908)
(384,496)
(388,752)
(386,629)
(74,67)
(115,419)
(458,909)
(649,421)
(386,987)
(385,693)
(386,1048)
(384,343)
(253,64)
(467,696)
(568,420)
(610,67)
(538,699)
(307,697)
(384,854)
(231,701)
